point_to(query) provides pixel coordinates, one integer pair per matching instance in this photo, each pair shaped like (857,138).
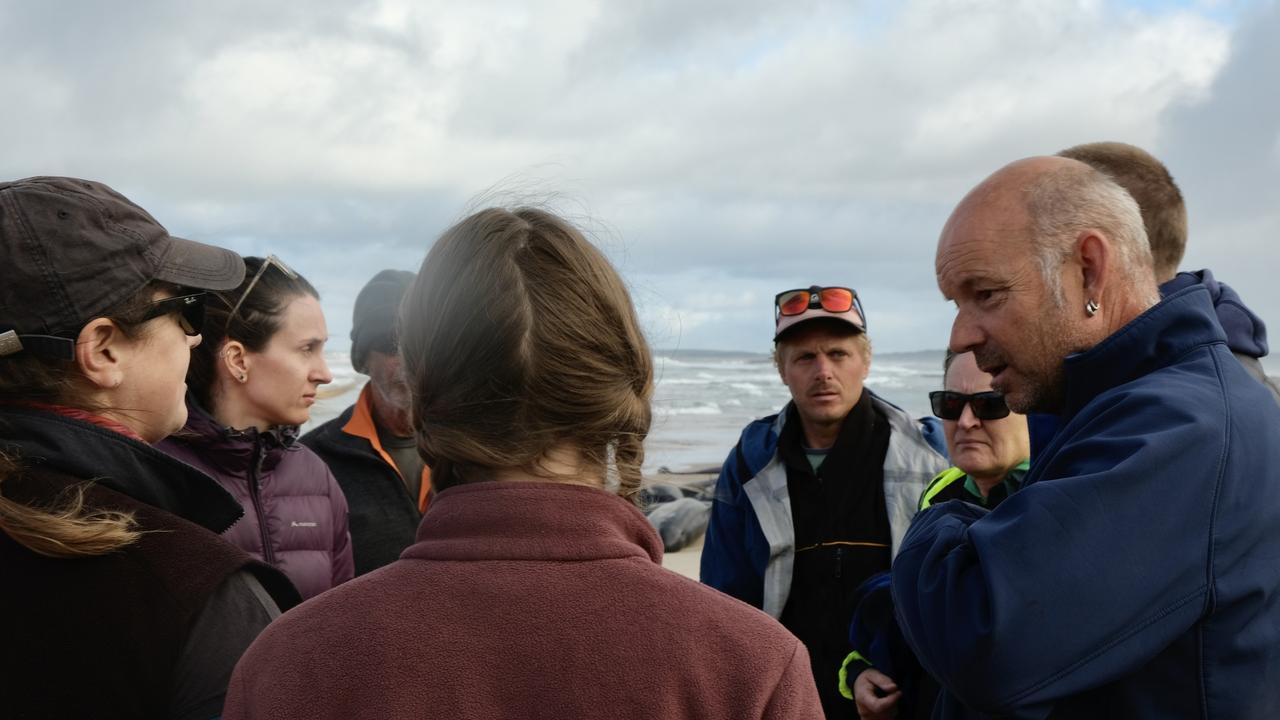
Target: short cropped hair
(1068,200)
(1160,201)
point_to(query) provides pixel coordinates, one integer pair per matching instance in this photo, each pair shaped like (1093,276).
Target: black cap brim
(196,265)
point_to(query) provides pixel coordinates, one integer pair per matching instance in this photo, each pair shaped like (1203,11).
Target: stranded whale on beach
(679,506)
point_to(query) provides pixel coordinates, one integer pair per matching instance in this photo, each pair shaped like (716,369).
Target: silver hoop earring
(1091,307)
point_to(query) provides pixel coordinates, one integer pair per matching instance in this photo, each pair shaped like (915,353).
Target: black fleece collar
(852,443)
(128,466)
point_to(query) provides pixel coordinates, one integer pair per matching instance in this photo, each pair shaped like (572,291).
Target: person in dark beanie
(370,447)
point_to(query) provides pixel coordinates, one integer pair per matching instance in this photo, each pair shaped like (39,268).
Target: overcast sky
(718,150)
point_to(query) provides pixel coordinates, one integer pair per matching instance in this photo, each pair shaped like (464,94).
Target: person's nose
(823,368)
(321,374)
(968,420)
(965,334)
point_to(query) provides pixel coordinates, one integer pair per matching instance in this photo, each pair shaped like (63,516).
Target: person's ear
(1094,254)
(235,359)
(101,351)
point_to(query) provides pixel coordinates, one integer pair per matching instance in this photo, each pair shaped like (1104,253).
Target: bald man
(1135,574)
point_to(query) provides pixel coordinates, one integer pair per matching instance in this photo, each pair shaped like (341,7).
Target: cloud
(1223,148)
(732,147)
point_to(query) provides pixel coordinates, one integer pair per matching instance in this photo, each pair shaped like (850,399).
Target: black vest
(100,636)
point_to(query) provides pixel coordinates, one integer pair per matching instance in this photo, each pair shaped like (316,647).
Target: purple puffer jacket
(295,514)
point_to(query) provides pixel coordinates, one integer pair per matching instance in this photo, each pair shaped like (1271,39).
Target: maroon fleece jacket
(532,600)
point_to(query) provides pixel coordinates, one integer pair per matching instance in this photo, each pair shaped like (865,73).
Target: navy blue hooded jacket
(1246,333)
(1246,337)
(1137,573)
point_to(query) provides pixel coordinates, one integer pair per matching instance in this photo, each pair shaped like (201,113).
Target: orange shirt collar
(361,425)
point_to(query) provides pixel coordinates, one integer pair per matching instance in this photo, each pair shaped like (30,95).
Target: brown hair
(1147,179)
(259,316)
(68,528)
(518,336)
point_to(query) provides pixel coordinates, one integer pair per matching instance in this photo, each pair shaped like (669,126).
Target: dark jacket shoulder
(116,622)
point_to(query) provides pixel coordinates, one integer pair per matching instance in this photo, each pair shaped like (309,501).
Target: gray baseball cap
(73,249)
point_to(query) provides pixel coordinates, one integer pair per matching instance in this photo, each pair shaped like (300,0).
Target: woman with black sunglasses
(989,444)
(120,600)
(990,447)
(253,383)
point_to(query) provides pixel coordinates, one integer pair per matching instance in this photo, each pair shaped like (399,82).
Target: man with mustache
(370,447)
(814,500)
(1134,574)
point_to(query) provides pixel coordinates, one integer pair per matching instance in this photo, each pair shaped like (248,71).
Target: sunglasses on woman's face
(989,405)
(61,347)
(190,309)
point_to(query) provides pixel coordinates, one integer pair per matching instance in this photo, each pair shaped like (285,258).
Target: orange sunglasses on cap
(791,307)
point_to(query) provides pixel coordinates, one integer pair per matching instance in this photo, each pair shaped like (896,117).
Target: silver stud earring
(1091,307)
(243,378)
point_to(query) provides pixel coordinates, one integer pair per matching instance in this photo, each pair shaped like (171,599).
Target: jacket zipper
(404,491)
(255,497)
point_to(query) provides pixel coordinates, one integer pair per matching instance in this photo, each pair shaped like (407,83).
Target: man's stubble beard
(1056,338)
(393,406)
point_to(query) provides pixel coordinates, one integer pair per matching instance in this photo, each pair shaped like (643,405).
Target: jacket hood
(235,448)
(1246,333)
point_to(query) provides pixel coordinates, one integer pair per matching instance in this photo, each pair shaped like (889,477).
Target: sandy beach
(686,561)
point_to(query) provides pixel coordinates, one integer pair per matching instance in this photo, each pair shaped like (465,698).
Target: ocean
(702,399)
